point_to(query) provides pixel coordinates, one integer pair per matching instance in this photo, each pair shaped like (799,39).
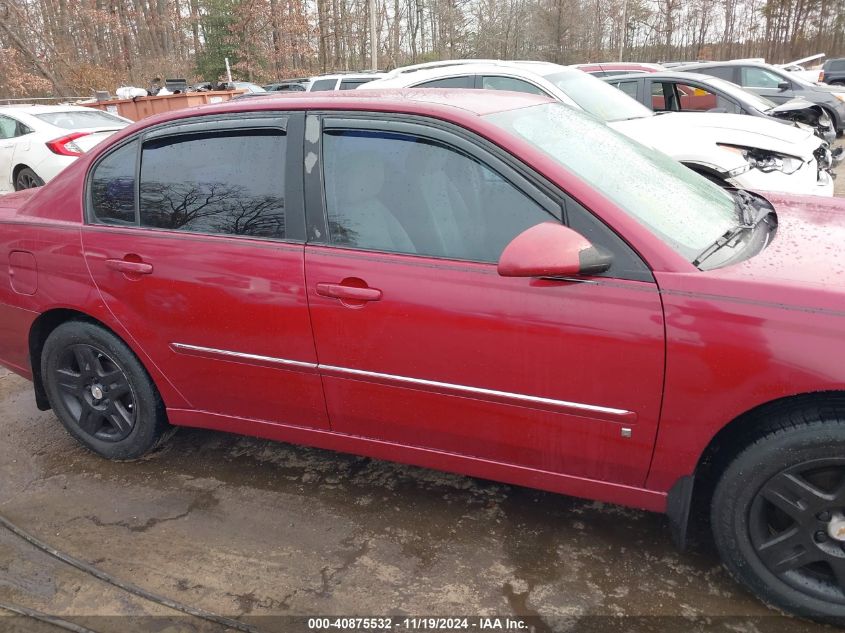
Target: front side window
(753,77)
(222,183)
(628,87)
(406,194)
(699,99)
(113,187)
(512,84)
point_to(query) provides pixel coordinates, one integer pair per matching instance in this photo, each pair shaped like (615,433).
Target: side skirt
(428,458)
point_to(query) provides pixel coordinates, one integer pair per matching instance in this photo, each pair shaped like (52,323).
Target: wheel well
(709,173)
(17,170)
(734,437)
(38,333)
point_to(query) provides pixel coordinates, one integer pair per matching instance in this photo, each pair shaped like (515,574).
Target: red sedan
(481,282)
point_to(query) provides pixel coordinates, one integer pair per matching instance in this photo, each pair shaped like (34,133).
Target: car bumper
(807,181)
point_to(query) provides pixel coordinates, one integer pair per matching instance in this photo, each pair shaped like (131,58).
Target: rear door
(195,242)
(422,343)
(12,134)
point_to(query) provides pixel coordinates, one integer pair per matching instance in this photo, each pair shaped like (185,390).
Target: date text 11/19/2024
(418,624)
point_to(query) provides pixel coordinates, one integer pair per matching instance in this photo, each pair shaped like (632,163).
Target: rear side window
(76,120)
(113,187)
(351,84)
(509,83)
(223,183)
(467,81)
(322,85)
(722,72)
(837,64)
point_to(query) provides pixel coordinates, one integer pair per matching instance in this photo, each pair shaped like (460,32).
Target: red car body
(614,390)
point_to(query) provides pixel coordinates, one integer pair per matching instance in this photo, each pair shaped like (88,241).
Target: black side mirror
(784,85)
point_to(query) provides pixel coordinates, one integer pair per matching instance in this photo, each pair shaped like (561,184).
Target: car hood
(673,131)
(806,251)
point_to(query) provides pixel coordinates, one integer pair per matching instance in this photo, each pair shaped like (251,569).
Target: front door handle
(353,293)
(127,266)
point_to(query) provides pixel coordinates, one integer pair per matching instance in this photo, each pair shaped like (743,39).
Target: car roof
(464,67)
(28,108)
(671,74)
(433,102)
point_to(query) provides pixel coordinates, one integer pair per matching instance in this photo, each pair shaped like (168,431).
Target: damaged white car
(731,149)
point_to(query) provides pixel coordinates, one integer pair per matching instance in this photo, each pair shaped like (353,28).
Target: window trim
(517,173)
(290,123)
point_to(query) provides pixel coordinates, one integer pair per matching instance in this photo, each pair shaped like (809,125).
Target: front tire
(101,393)
(778,516)
(27,179)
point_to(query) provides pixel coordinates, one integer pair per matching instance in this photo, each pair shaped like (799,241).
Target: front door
(422,343)
(195,240)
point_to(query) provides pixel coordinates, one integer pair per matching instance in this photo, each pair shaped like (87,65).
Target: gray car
(777,85)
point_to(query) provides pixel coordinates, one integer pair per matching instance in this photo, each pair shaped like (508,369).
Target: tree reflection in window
(230,183)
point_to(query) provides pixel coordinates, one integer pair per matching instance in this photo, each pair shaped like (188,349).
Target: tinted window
(509,83)
(837,64)
(467,81)
(753,77)
(113,186)
(8,127)
(351,84)
(404,194)
(722,72)
(230,183)
(628,87)
(77,120)
(323,84)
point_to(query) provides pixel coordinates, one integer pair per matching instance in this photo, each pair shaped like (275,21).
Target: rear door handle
(338,291)
(130,267)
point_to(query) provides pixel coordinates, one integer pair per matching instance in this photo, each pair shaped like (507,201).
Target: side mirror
(784,85)
(552,250)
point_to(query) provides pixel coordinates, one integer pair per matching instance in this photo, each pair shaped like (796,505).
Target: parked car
(340,81)
(777,85)
(37,142)
(292,85)
(696,92)
(801,67)
(745,152)
(587,317)
(608,69)
(833,72)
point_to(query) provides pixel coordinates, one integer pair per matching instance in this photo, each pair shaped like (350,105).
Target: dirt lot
(251,530)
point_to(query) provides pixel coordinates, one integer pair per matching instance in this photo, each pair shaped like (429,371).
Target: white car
(734,150)
(37,142)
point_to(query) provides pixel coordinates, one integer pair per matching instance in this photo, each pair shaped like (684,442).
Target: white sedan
(37,142)
(731,149)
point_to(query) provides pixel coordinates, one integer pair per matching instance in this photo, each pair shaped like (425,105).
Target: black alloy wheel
(797,527)
(96,392)
(101,392)
(778,511)
(27,179)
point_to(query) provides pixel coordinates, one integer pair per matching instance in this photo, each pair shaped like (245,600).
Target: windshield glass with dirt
(597,97)
(684,209)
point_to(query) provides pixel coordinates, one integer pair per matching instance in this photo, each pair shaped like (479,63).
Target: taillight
(65,145)
(821,76)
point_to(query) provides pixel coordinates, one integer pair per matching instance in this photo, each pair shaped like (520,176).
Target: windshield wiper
(749,217)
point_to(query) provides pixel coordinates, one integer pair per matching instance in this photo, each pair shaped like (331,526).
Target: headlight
(764,160)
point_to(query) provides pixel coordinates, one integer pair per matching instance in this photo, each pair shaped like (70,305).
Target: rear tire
(27,179)
(101,393)
(778,516)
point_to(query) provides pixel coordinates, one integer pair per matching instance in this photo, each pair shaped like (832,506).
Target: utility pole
(373,36)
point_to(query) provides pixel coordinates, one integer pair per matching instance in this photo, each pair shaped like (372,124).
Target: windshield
(761,103)
(79,120)
(685,210)
(598,98)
